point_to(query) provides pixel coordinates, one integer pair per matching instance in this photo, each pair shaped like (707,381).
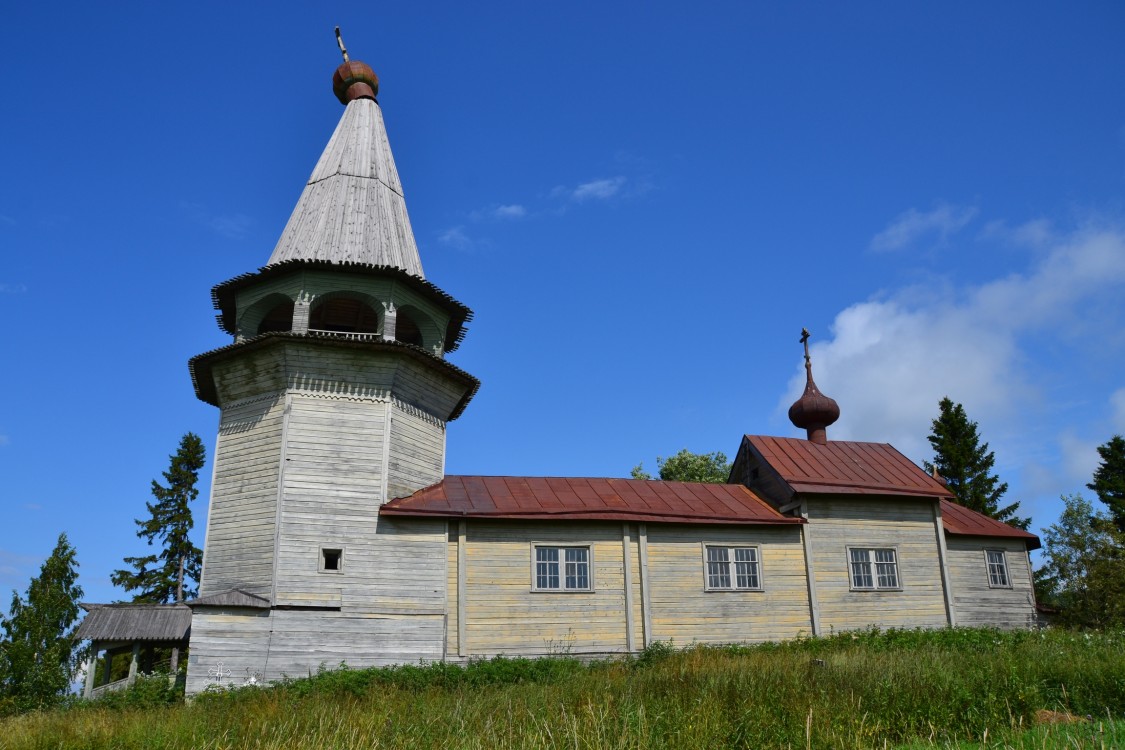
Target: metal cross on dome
(219,671)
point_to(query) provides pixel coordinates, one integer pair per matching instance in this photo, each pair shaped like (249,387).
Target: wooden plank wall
(236,638)
(330,496)
(908,525)
(503,614)
(417,451)
(277,644)
(241,521)
(975,602)
(684,612)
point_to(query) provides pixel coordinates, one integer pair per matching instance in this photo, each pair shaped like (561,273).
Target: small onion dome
(813,411)
(354,80)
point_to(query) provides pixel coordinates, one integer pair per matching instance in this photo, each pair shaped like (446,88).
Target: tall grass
(863,690)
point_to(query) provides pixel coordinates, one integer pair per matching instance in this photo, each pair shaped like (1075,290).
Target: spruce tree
(966,465)
(38,655)
(171,574)
(1109,479)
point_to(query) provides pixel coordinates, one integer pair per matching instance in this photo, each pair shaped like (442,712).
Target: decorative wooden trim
(630,644)
(810,573)
(943,560)
(462,588)
(646,596)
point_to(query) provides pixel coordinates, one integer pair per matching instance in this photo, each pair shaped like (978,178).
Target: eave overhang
(223,294)
(201,365)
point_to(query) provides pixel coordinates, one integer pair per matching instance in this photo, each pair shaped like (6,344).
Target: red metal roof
(958,519)
(846,467)
(587,498)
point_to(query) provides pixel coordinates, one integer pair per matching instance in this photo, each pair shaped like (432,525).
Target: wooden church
(334,534)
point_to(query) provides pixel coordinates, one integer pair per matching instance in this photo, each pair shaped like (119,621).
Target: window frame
(320,560)
(732,573)
(561,562)
(1003,561)
(871,549)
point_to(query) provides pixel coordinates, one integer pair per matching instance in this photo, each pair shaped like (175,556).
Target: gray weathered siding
(685,612)
(978,604)
(241,522)
(907,525)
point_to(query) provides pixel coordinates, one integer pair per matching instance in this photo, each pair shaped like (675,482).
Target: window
(997,569)
(331,560)
(874,568)
(733,568)
(562,569)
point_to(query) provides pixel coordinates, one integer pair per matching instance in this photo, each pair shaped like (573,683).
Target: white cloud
(600,189)
(1117,403)
(6,288)
(5,219)
(911,225)
(1079,458)
(456,238)
(4,440)
(512,211)
(232,226)
(889,361)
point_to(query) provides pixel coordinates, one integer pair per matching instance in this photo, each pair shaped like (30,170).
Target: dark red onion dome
(354,80)
(813,411)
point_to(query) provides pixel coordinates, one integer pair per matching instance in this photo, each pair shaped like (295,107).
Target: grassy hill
(950,688)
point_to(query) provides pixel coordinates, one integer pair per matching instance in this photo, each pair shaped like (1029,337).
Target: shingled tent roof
(134,622)
(588,499)
(352,208)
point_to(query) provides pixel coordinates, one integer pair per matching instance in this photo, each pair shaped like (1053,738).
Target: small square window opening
(331,560)
(997,569)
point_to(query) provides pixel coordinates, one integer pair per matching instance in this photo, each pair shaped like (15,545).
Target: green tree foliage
(1086,565)
(1109,479)
(686,466)
(171,574)
(38,655)
(966,465)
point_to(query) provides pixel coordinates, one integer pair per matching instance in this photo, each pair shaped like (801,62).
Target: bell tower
(334,397)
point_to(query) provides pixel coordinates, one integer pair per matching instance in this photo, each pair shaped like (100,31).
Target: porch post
(133,664)
(91,671)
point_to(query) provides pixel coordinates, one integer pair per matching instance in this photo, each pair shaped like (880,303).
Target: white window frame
(1005,568)
(561,564)
(732,564)
(873,570)
(320,559)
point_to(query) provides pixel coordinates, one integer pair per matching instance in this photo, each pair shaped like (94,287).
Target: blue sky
(643,203)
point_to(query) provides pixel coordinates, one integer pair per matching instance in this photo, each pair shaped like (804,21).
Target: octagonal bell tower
(334,399)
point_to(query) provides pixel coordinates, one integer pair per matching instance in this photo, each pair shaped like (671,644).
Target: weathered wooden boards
(975,600)
(352,208)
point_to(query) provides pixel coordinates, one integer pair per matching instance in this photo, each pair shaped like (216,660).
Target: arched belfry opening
(406,328)
(341,314)
(278,318)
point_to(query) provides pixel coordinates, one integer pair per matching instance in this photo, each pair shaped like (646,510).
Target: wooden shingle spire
(352,209)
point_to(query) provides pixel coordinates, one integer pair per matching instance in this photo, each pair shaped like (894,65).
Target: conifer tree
(38,654)
(1109,479)
(966,465)
(171,574)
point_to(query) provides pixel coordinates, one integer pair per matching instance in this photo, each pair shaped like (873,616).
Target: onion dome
(354,80)
(813,411)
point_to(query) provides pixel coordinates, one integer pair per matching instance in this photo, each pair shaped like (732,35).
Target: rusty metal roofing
(962,521)
(134,622)
(588,499)
(231,598)
(845,467)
